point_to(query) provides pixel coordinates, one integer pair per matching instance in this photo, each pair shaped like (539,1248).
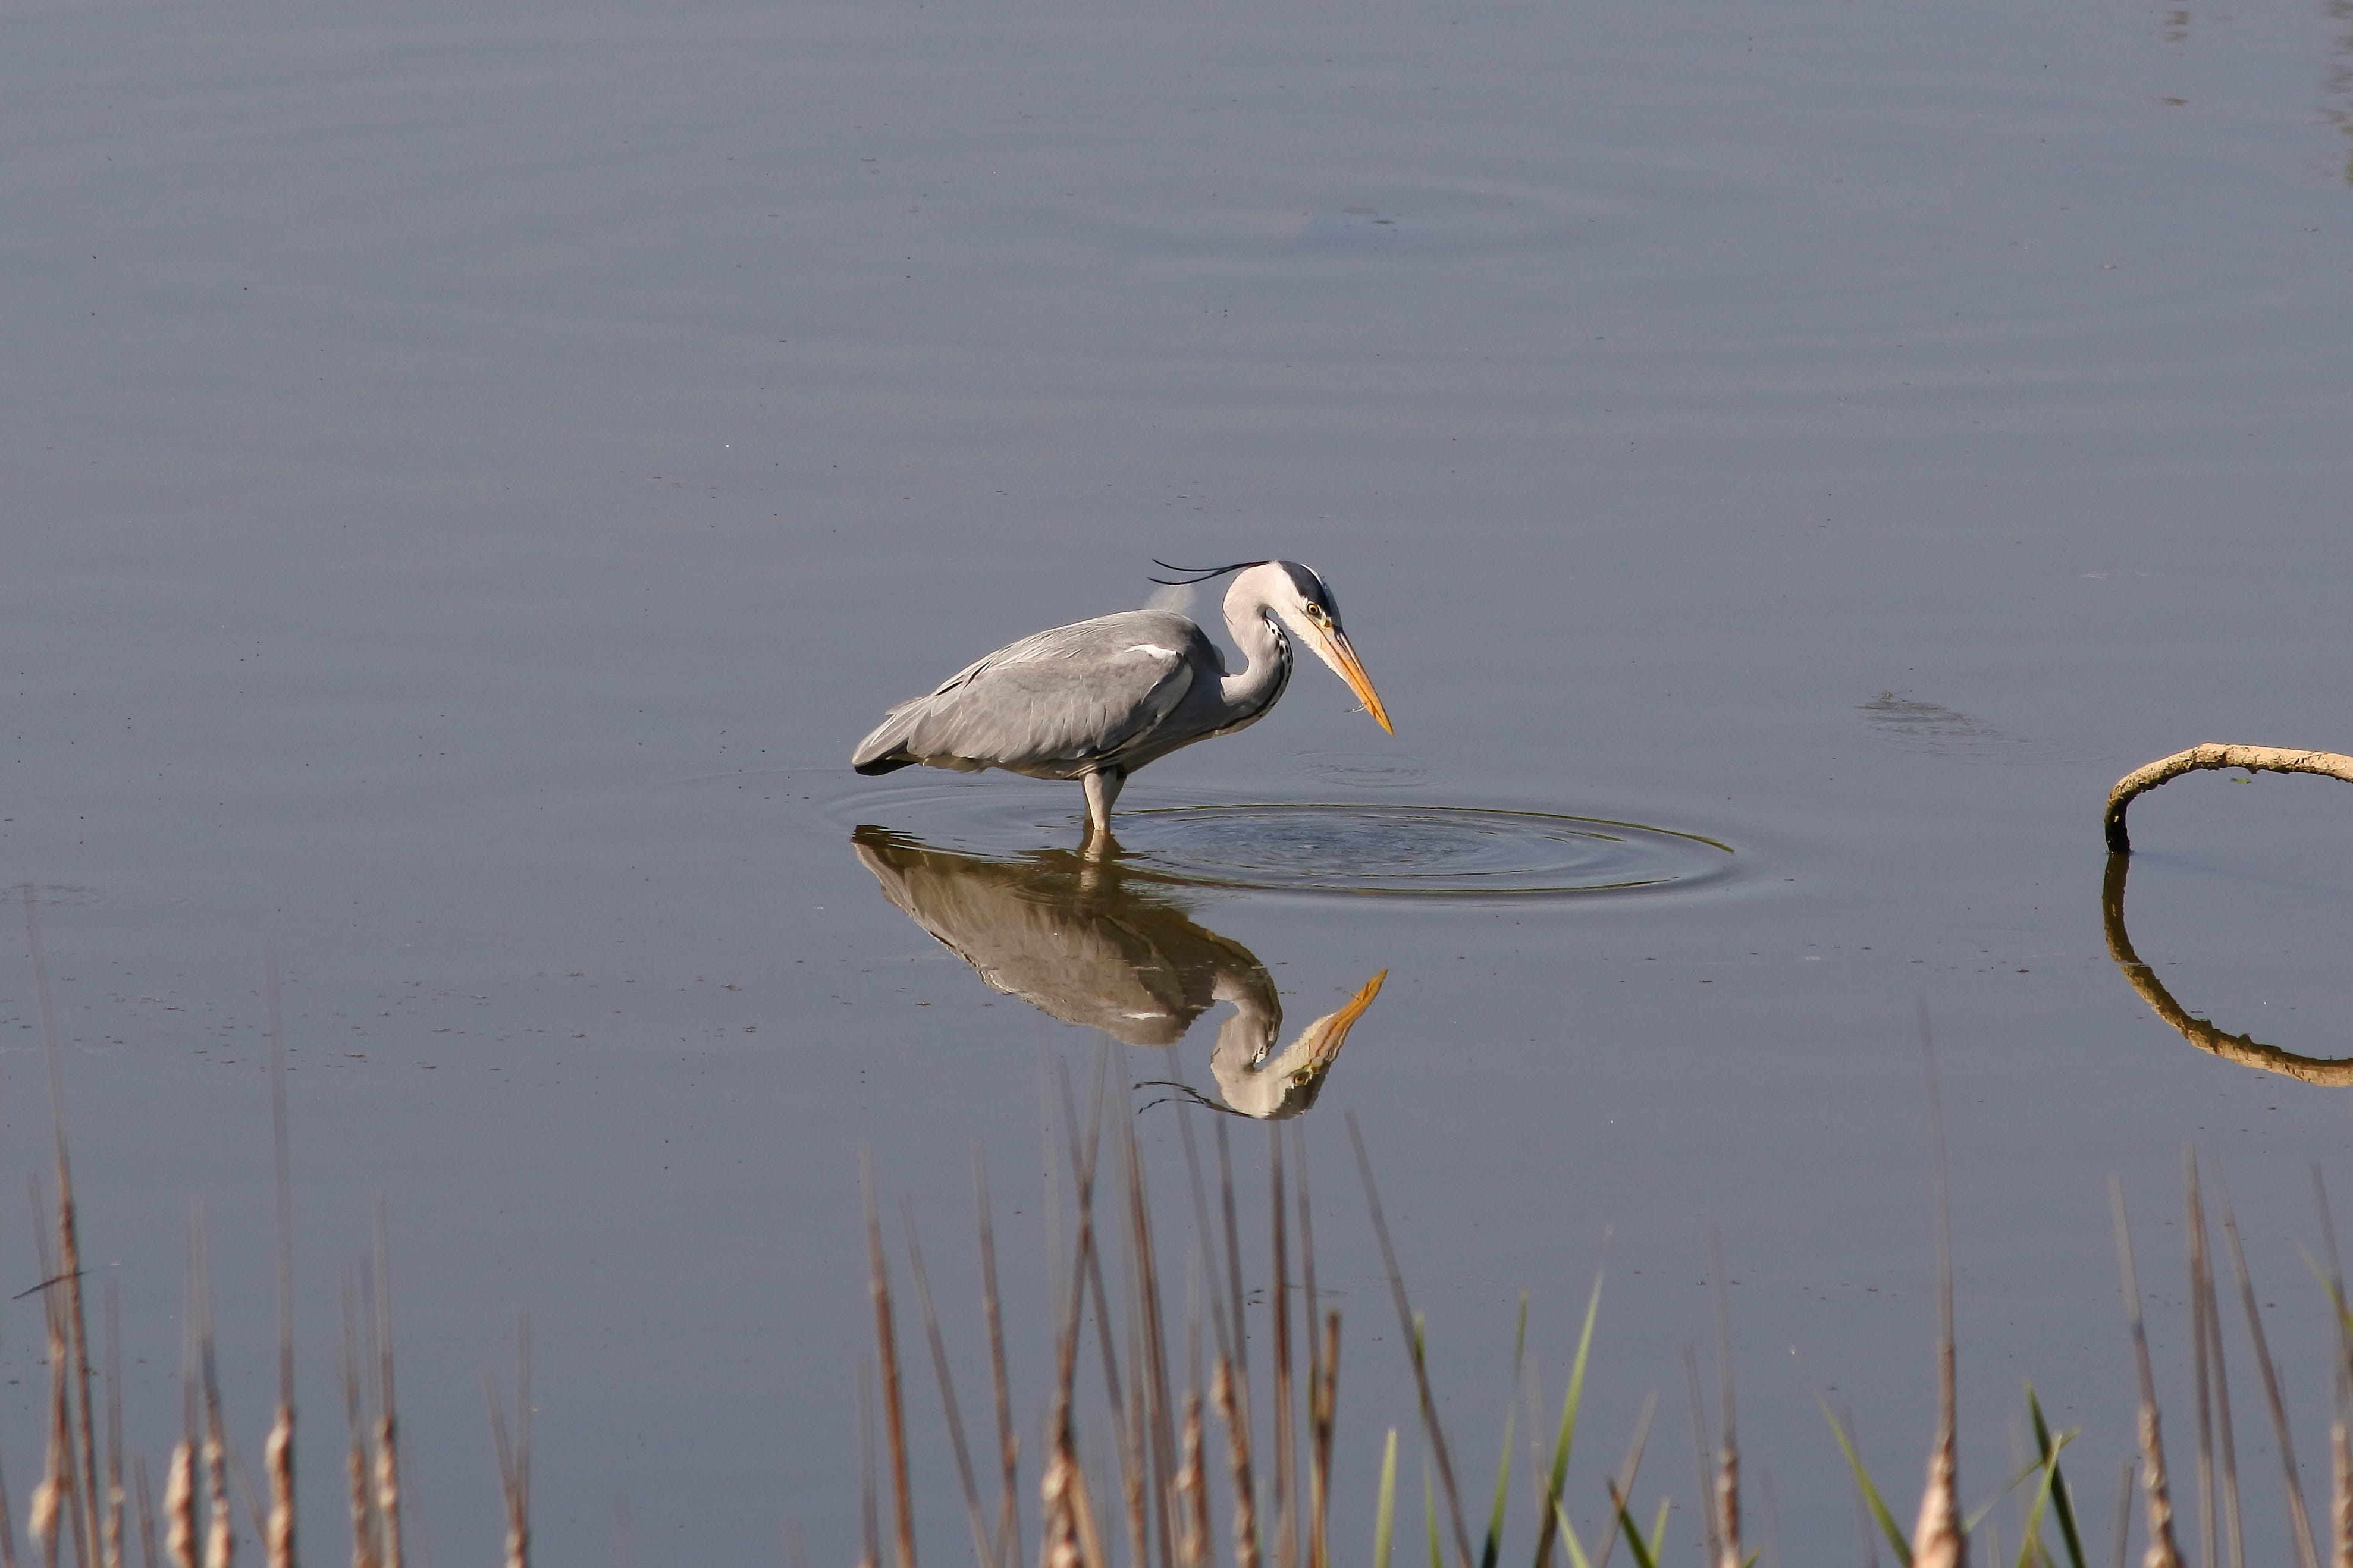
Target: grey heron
(1078,941)
(1097,700)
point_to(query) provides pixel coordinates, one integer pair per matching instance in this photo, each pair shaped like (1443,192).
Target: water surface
(473,475)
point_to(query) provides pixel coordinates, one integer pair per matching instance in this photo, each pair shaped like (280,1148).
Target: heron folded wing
(1055,711)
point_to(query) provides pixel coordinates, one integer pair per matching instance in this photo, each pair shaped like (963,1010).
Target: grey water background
(472,472)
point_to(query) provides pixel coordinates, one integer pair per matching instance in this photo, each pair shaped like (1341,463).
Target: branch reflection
(1080,942)
(2334,1072)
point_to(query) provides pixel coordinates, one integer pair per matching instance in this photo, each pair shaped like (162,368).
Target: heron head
(1273,1085)
(1298,597)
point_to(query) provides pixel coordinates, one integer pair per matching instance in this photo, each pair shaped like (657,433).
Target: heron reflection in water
(1081,942)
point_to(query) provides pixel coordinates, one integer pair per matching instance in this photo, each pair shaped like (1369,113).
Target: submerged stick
(2212,754)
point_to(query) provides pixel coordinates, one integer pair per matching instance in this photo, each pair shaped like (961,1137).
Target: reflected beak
(1336,652)
(1324,1037)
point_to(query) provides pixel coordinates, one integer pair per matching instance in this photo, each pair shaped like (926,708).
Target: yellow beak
(1336,652)
(1325,1035)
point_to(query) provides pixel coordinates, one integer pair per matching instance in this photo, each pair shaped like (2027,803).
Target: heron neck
(1250,691)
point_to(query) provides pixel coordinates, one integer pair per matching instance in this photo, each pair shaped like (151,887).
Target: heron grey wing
(1058,699)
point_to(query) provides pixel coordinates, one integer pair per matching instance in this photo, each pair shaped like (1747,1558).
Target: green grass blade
(1640,1549)
(1430,1501)
(2031,1549)
(1577,1557)
(1877,1504)
(1565,1436)
(2062,1506)
(1384,1509)
(1495,1542)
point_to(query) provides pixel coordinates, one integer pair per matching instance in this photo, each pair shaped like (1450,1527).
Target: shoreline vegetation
(1186,1478)
(1191,1476)
(1182,1475)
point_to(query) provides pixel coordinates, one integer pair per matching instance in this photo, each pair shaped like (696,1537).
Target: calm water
(473,473)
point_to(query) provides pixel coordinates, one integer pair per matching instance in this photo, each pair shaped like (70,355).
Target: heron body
(1097,700)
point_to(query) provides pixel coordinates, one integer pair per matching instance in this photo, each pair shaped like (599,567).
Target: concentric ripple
(1414,850)
(1375,847)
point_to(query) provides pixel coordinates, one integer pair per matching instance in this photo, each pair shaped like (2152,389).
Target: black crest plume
(1188,575)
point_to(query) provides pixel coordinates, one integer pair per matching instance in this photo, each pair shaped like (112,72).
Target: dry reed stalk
(1710,1517)
(1222,1291)
(180,1505)
(2201,1369)
(1238,1350)
(1072,1540)
(938,1342)
(75,1468)
(278,1450)
(1322,1368)
(1147,1506)
(144,1497)
(357,1460)
(1410,1328)
(886,1347)
(1225,1394)
(1940,1540)
(2218,1466)
(514,1457)
(111,1518)
(1323,1400)
(41,1520)
(2122,1535)
(2340,1442)
(1152,1354)
(8,1529)
(1727,1474)
(1009,1443)
(278,1460)
(1192,1488)
(50,1497)
(869,1517)
(221,1536)
(1068,1538)
(1084,1139)
(2340,1495)
(2307,1551)
(1286,1513)
(2162,1552)
(387,1443)
(1196,1547)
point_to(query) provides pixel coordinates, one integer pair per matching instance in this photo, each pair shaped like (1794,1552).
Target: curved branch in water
(2328,1072)
(2210,754)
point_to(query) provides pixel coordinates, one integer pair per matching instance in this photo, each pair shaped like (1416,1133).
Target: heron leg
(1103,788)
